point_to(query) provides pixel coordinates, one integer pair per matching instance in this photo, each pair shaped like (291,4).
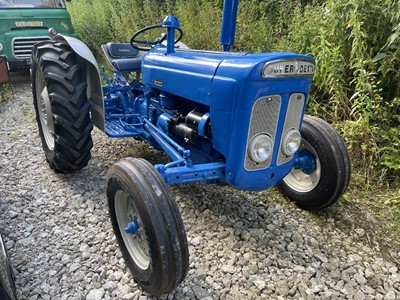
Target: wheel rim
(300,181)
(136,244)
(44,108)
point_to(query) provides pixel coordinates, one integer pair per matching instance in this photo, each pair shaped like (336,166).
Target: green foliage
(358,68)
(356,45)
(92,20)
(4,92)
(196,17)
(390,134)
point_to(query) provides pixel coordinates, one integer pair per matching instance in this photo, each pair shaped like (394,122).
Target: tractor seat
(123,57)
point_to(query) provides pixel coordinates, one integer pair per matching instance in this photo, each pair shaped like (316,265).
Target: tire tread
(66,88)
(332,144)
(166,222)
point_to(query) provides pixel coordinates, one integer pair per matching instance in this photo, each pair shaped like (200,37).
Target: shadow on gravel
(356,221)
(20,78)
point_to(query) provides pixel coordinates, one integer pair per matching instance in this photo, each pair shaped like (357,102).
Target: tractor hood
(190,73)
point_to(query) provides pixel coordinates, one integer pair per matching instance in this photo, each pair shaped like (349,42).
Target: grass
(5,92)
(374,207)
(383,201)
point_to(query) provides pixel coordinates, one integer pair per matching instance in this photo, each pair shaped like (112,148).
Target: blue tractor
(222,117)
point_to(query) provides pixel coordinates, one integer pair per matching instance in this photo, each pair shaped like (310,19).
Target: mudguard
(94,89)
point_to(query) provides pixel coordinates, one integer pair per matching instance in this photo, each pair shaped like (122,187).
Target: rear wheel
(61,105)
(322,171)
(147,225)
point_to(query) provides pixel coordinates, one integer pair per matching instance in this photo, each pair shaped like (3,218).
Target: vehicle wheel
(147,225)
(7,284)
(61,105)
(322,172)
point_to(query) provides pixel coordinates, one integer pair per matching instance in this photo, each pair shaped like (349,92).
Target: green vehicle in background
(24,23)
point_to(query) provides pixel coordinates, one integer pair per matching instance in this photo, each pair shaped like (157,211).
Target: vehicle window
(31,4)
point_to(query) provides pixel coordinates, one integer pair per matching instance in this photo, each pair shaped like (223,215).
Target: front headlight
(291,142)
(1,47)
(260,148)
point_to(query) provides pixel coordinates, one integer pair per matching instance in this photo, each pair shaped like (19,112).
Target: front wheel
(147,225)
(322,171)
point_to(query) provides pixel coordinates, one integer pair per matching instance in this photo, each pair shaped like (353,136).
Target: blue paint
(171,23)
(133,227)
(221,87)
(228,26)
(203,122)
(205,172)
(305,161)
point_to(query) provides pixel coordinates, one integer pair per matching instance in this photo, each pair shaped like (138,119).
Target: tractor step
(115,129)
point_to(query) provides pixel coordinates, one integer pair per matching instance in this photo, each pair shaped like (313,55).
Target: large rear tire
(147,225)
(61,105)
(324,174)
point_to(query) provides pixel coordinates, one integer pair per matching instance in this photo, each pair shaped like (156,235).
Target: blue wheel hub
(305,161)
(133,227)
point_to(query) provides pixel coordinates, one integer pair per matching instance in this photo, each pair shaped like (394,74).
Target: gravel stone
(228,269)
(95,295)
(322,258)
(391,295)
(196,241)
(360,231)
(110,286)
(360,279)
(74,267)
(258,282)
(200,292)
(243,245)
(367,290)
(131,296)
(12,214)
(291,247)
(65,259)
(256,233)
(9,244)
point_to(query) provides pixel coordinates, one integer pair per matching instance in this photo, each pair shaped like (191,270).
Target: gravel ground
(242,245)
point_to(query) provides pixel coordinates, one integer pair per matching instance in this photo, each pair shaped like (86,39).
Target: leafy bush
(358,67)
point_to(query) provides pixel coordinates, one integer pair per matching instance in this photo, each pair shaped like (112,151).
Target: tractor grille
(22,46)
(264,119)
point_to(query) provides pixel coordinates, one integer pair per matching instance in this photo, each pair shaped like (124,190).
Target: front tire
(61,105)
(322,173)
(147,225)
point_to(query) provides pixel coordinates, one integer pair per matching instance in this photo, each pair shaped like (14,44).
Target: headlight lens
(1,47)
(53,31)
(260,148)
(291,142)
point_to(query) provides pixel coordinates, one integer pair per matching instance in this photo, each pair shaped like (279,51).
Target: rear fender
(94,90)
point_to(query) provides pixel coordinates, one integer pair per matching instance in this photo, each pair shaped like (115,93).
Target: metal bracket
(181,168)
(205,172)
